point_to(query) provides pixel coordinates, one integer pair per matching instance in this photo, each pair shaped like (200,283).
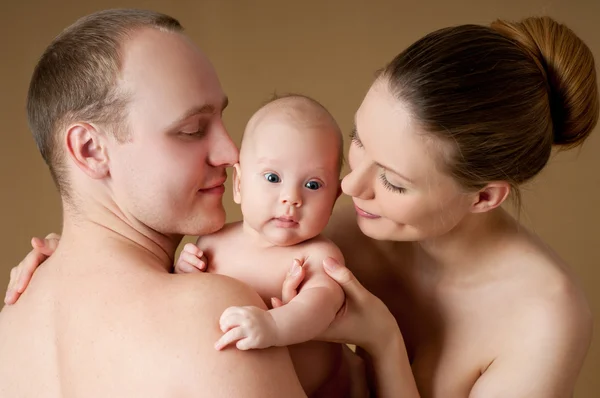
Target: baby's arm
(302,319)
(317,303)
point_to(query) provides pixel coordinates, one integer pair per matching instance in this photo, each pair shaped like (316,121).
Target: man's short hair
(76,79)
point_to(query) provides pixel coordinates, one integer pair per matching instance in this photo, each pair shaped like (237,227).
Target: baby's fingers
(193,249)
(231,317)
(230,337)
(188,263)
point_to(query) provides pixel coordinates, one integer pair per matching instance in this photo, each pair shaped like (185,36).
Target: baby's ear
(237,185)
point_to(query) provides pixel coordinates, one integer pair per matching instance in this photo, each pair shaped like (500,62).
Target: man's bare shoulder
(194,304)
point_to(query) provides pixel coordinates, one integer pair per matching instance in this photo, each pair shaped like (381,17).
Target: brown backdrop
(329,51)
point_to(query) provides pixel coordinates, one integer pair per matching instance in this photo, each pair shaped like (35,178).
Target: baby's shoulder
(224,237)
(319,248)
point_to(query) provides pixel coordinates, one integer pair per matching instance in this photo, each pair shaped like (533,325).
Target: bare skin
(264,270)
(485,310)
(509,321)
(105,318)
(120,326)
(471,304)
(287,182)
(524,301)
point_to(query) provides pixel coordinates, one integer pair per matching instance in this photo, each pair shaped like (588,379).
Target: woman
(454,287)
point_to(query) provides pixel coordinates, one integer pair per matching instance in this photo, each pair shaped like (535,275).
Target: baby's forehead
(294,114)
(293,124)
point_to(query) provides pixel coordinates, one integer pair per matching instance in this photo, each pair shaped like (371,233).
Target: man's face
(170,174)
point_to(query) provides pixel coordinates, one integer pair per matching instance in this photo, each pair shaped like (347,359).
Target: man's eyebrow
(196,110)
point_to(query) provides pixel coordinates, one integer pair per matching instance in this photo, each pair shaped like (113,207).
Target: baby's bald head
(303,113)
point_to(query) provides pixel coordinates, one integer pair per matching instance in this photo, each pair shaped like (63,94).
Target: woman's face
(397,182)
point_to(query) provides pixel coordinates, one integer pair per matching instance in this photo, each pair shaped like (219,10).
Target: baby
(287,182)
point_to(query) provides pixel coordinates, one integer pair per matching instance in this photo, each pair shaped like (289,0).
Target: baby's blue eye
(272,178)
(314,185)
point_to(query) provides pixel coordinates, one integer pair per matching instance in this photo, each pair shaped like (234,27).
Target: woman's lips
(365,214)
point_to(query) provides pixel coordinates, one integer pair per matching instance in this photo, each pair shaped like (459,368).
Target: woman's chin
(384,229)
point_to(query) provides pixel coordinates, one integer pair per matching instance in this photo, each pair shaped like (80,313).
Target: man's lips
(215,188)
(365,214)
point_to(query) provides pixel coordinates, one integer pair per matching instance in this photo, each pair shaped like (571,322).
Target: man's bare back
(119,326)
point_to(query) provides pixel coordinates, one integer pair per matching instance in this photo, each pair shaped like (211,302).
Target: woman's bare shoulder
(541,316)
(542,280)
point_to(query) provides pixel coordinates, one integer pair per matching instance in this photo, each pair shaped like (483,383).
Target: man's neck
(95,227)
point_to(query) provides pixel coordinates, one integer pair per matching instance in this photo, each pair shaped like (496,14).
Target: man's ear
(87,148)
(490,197)
(237,185)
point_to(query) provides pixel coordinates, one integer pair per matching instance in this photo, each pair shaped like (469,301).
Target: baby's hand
(250,327)
(191,259)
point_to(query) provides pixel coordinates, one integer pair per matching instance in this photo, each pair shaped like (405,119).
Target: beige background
(329,51)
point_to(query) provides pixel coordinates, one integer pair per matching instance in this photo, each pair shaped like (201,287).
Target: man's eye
(198,133)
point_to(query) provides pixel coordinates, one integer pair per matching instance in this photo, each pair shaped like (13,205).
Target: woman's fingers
(346,279)
(46,246)
(293,279)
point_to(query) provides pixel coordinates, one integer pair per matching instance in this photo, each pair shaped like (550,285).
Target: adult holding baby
(458,292)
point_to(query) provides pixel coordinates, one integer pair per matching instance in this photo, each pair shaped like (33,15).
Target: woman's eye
(354,138)
(272,178)
(313,185)
(389,186)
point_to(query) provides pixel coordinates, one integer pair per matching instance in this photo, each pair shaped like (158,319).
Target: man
(126,111)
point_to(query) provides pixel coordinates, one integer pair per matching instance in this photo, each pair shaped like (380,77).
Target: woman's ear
(87,148)
(490,197)
(237,185)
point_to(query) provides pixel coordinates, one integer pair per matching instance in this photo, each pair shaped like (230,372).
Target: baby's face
(289,180)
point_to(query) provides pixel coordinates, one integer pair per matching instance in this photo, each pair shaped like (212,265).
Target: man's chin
(206,223)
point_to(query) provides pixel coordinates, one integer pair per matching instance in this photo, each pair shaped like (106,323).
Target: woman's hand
(22,273)
(364,320)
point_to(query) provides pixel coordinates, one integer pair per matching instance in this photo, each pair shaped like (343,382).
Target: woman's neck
(462,250)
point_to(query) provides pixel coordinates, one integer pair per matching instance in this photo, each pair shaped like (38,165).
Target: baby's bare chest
(263,270)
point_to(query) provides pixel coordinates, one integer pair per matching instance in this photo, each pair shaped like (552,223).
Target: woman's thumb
(342,275)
